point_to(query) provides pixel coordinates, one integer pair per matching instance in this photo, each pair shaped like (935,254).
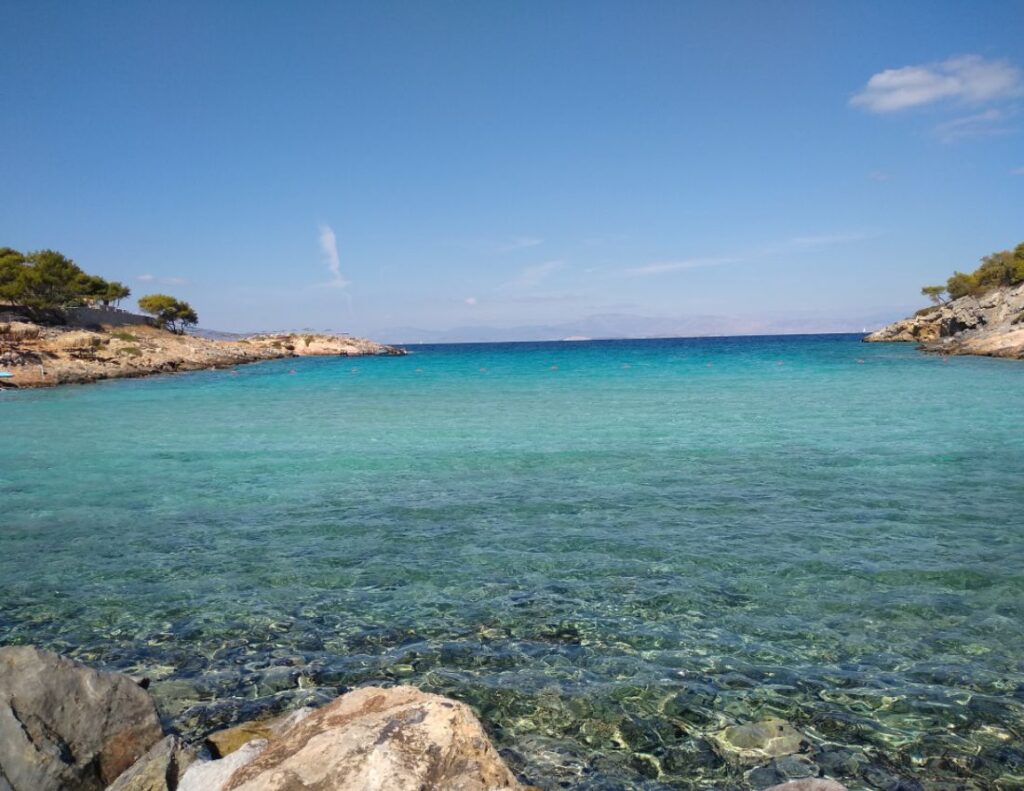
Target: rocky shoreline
(64,726)
(42,356)
(991,325)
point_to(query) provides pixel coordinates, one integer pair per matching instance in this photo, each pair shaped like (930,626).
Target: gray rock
(160,769)
(66,727)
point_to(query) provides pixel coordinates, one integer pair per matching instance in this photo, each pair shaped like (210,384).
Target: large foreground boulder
(373,739)
(66,727)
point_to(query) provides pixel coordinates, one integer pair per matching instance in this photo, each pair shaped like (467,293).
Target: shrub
(123,336)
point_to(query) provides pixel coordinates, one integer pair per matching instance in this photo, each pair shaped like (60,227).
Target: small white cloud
(167,281)
(879,175)
(520,243)
(990,123)
(329,248)
(470,300)
(1017,171)
(536,274)
(966,78)
(660,267)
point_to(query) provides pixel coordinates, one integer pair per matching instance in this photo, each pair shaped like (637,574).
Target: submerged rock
(66,726)
(809,784)
(373,738)
(227,741)
(757,742)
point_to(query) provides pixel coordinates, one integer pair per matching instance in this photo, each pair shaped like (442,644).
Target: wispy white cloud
(965,78)
(792,245)
(329,248)
(879,175)
(822,240)
(534,275)
(660,267)
(470,300)
(1017,171)
(520,243)
(146,278)
(989,123)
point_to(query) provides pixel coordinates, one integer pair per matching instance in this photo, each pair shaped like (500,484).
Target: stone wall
(86,317)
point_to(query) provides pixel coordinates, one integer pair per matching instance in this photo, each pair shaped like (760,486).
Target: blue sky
(370,166)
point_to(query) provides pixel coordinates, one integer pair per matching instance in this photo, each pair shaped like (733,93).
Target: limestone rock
(39,356)
(990,324)
(809,784)
(397,739)
(215,775)
(66,727)
(756,742)
(160,769)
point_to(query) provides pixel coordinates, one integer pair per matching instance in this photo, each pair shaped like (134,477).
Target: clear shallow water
(608,559)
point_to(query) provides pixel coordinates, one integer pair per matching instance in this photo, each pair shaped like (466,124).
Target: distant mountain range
(621,325)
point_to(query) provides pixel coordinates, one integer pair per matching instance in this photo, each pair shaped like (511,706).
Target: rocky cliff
(991,324)
(39,356)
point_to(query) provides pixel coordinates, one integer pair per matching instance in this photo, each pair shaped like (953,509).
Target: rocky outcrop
(397,739)
(991,324)
(66,727)
(41,356)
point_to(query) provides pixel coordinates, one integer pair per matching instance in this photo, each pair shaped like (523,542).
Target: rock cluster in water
(991,324)
(66,727)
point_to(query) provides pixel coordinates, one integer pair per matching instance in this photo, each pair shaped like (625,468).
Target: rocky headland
(65,726)
(41,356)
(990,324)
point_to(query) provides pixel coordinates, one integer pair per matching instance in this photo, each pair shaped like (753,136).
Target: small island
(981,312)
(61,325)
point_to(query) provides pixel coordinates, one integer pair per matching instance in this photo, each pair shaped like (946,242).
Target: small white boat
(5,374)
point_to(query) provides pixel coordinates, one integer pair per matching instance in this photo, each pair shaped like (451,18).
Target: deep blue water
(610,549)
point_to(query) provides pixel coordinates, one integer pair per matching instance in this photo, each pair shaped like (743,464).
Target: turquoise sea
(610,549)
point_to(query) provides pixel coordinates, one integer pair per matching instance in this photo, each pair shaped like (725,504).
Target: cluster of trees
(1005,268)
(46,281)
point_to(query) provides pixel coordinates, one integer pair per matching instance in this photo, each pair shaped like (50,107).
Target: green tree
(996,270)
(169,312)
(934,293)
(50,280)
(960,285)
(11,264)
(116,292)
